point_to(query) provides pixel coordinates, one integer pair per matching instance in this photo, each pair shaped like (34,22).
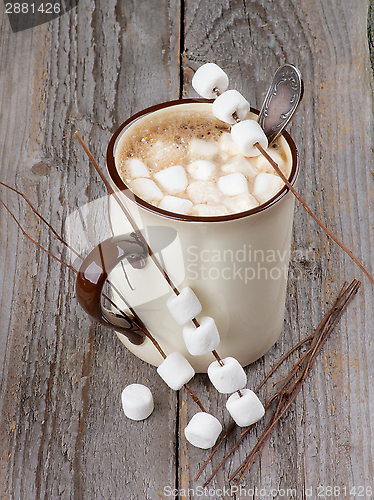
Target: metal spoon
(281,101)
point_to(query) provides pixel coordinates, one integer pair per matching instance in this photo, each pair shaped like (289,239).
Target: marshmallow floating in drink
(137,401)
(266,186)
(175,370)
(175,204)
(201,170)
(245,409)
(203,430)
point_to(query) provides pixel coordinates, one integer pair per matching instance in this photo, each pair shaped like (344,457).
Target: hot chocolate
(184,160)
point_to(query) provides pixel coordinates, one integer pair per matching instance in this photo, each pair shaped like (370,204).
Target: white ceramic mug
(236,264)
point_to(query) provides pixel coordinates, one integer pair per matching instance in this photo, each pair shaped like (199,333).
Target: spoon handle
(281,101)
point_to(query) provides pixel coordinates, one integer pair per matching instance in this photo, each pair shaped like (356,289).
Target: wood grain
(62,431)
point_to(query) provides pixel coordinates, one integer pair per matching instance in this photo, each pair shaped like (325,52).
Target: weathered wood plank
(63,433)
(333,130)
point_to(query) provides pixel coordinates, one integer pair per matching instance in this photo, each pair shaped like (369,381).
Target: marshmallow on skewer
(201,170)
(227,378)
(233,184)
(245,410)
(208,78)
(185,306)
(203,430)
(175,204)
(172,179)
(245,134)
(175,371)
(266,186)
(137,401)
(203,339)
(229,103)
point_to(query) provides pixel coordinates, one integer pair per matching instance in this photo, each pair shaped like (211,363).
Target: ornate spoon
(281,101)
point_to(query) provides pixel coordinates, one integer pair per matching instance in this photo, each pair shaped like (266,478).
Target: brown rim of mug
(116,178)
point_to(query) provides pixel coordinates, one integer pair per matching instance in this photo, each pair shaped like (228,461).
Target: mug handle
(93,273)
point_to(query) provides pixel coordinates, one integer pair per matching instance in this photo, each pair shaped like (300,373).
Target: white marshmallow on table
(172,179)
(175,204)
(233,184)
(227,104)
(227,145)
(201,170)
(185,306)
(227,378)
(137,168)
(240,203)
(266,186)
(245,410)
(203,192)
(262,164)
(209,210)
(209,77)
(137,401)
(202,339)
(203,430)
(146,189)
(246,134)
(198,148)
(175,371)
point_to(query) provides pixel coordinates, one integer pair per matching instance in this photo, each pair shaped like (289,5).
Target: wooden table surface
(63,434)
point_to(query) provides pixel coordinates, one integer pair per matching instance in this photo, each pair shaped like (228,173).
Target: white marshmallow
(227,104)
(227,378)
(266,186)
(240,203)
(245,134)
(245,410)
(136,168)
(185,306)
(202,339)
(233,184)
(146,189)
(137,401)
(203,192)
(240,164)
(175,204)
(209,210)
(175,370)
(263,165)
(203,430)
(209,77)
(172,179)
(199,148)
(201,169)
(227,145)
